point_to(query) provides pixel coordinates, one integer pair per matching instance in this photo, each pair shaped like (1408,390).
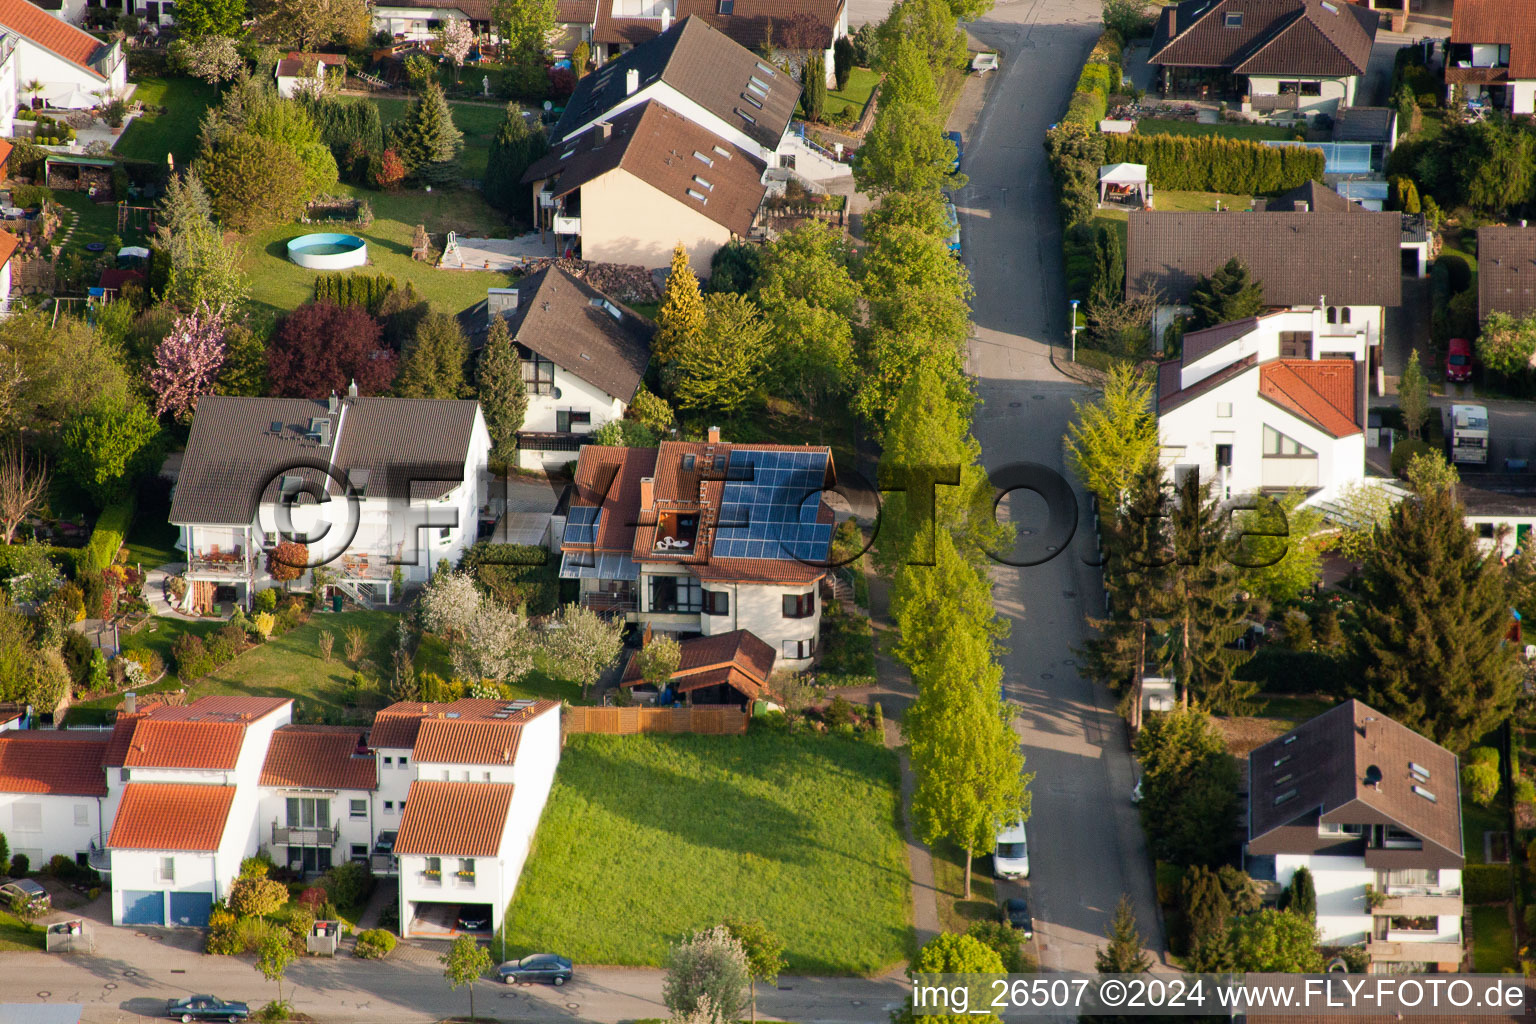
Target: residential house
(1305,55)
(53,793)
(727,668)
(186,782)
(422,20)
(1309,249)
(584,356)
(65,60)
(307,72)
(372,486)
(1501,510)
(1506,270)
(1367,805)
(1268,404)
(1492,54)
(8,244)
(463,785)
(632,188)
(705,538)
(318,784)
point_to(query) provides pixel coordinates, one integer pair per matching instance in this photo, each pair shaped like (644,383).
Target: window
(752,100)
(389,762)
(1224,410)
(1336,830)
(1289,794)
(309,812)
(799,606)
(1485,531)
(538,375)
(467,870)
(676,594)
(389,807)
(1426,794)
(798,650)
(1234,19)
(702,183)
(82,814)
(404,761)
(1333,314)
(167,869)
(717,602)
(358,808)
(722,151)
(705,160)
(27,817)
(359,851)
(566,420)
(1419,771)
(122,775)
(694,193)
(1295,344)
(433,871)
(1277,445)
(725,7)
(485,776)
(1313,89)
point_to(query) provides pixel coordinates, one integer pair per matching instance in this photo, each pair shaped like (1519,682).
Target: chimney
(666,18)
(130,703)
(714,435)
(631,81)
(606,127)
(352,388)
(647,491)
(332,404)
(1302,206)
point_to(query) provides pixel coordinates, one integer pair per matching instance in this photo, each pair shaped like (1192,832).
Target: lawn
(1475,820)
(1291,711)
(151,540)
(647,838)
(955,912)
(853,95)
(1226,129)
(97,223)
(1493,941)
(478,122)
(433,656)
(278,286)
(16,936)
(152,137)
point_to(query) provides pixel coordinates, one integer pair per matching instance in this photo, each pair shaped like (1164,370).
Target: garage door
(143,907)
(191,908)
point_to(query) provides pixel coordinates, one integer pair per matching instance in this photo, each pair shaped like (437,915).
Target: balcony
(226,564)
(1393,951)
(604,603)
(98,859)
(294,835)
(1420,901)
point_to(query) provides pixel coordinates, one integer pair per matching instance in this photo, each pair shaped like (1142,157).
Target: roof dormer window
(725,7)
(1233,19)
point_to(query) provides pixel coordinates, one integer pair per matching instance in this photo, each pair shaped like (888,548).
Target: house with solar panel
(705,538)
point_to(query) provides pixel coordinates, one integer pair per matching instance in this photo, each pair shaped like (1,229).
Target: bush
(515,574)
(265,600)
(1404,451)
(1209,163)
(27,197)
(349,884)
(62,867)
(301,920)
(106,538)
(374,944)
(366,290)
(1278,670)
(1458,267)
(254,896)
(1485,883)
(20,866)
(1525,791)
(312,899)
(258,866)
(1004,940)
(191,657)
(223,932)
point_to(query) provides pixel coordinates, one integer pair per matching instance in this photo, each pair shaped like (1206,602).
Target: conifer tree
(514,148)
(721,367)
(434,362)
(1230,293)
(1207,911)
(426,140)
(500,388)
(1125,953)
(1413,395)
(1113,440)
(1428,646)
(813,85)
(681,316)
(1300,897)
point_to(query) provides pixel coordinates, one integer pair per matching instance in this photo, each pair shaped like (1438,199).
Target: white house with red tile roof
(37,46)
(319,786)
(1269,404)
(53,794)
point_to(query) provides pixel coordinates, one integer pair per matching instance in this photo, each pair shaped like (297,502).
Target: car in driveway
(473,917)
(1015,912)
(959,141)
(1010,858)
(556,970)
(190,1008)
(28,890)
(1458,361)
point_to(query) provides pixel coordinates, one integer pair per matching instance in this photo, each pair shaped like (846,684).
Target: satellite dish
(548,106)
(1372,776)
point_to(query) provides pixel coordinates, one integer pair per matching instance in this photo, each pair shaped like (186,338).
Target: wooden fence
(713,720)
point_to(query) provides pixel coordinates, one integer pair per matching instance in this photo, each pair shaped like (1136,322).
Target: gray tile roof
(1506,270)
(1319,198)
(1321,38)
(1363,124)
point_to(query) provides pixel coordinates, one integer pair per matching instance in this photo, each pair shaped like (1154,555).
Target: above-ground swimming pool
(328,251)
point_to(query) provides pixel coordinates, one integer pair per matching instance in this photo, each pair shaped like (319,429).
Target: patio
(504,254)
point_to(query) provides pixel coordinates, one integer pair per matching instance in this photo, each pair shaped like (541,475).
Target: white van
(1010,859)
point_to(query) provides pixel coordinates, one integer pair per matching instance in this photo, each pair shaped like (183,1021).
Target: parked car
(1010,858)
(190,1008)
(474,917)
(952,218)
(556,970)
(959,141)
(1458,361)
(26,889)
(1016,916)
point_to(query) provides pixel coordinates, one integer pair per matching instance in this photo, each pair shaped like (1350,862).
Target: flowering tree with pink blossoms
(188,361)
(457,39)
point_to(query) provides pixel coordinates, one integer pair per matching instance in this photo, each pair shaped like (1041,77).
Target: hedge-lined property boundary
(1205,163)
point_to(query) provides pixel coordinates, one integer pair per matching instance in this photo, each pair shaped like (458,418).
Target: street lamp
(1074,330)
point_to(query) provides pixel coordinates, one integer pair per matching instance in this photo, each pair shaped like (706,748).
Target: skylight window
(612,310)
(568,154)
(1288,741)
(1419,770)
(746,116)
(1282,780)
(1329,7)
(757,85)
(1282,759)
(1426,794)
(765,69)
(752,100)
(703,158)
(707,185)
(726,7)
(1234,19)
(723,151)
(696,194)
(1289,794)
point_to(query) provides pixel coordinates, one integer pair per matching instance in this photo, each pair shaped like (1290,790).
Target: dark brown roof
(1363,124)
(318,757)
(705,65)
(1295,37)
(475,10)
(1495,21)
(567,321)
(657,145)
(1319,771)
(1208,339)
(454,819)
(739,659)
(1317,197)
(1173,397)
(750,23)
(1506,270)
(234,460)
(575,12)
(1351,258)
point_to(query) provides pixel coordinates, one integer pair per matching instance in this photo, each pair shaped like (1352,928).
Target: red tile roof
(738,658)
(399,725)
(443,741)
(122,736)
(318,757)
(454,819)
(51,762)
(166,816)
(1495,21)
(225,709)
(1320,391)
(202,745)
(38,26)
(5,152)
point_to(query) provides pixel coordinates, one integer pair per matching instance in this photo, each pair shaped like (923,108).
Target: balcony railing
(1396,951)
(233,564)
(98,858)
(295,835)
(381,863)
(600,602)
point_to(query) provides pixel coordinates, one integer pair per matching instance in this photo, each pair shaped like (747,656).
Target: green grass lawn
(1226,129)
(97,223)
(1291,711)
(853,95)
(478,123)
(16,936)
(646,838)
(1493,941)
(152,137)
(1475,820)
(151,540)
(956,913)
(278,286)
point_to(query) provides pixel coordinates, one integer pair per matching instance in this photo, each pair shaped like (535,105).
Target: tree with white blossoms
(188,361)
(707,978)
(497,644)
(456,39)
(584,644)
(449,603)
(214,59)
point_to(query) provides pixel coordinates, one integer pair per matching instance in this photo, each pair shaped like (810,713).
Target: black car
(474,917)
(192,1008)
(538,967)
(1016,913)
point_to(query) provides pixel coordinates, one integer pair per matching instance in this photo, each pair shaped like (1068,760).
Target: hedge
(516,575)
(1099,78)
(107,537)
(1209,163)
(366,290)
(1279,670)
(1485,883)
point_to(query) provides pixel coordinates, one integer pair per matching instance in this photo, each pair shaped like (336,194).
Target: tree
(735,267)
(709,964)
(1108,269)
(659,660)
(1280,547)
(34,576)
(810,300)
(681,317)
(1230,293)
(948,953)
(188,361)
(254,182)
(585,645)
(1188,787)
(287,122)
(721,367)
(524,26)
(212,58)
(497,645)
(1126,18)
(456,38)
(651,411)
(842,62)
(1413,395)
(1300,896)
(946,595)
(1207,909)
(1494,165)
(320,348)
(1365,509)
(107,445)
(244,372)
(202,269)
(23,488)
(391,171)
(196,19)
(425,139)
(256,895)
(518,142)
(465,962)
(1480,775)
(449,603)
(929,27)
(1507,345)
(1428,643)
(1113,441)
(1125,954)
(1428,471)
(434,364)
(307,24)
(813,86)
(287,561)
(915,287)
(1275,942)
(905,149)
(502,392)
(764,952)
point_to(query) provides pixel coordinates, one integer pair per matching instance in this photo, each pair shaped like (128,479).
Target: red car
(1458,361)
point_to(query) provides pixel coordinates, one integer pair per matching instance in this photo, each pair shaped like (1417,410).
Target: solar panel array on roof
(581,525)
(584,565)
(769,506)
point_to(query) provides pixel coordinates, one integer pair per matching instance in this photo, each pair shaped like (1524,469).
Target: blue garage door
(191,908)
(143,907)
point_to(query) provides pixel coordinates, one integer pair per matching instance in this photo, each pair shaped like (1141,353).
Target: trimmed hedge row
(1210,163)
(1099,78)
(1279,670)
(516,575)
(365,290)
(106,538)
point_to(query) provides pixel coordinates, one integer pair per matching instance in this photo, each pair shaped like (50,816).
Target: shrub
(223,645)
(366,290)
(251,931)
(223,932)
(106,538)
(1457,266)
(255,896)
(1004,940)
(349,884)
(258,866)
(60,866)
(1485,883)
(312,899)
(374,944)
(20,866)
(1210,163)
(191,656)
(515,574)
(1404,452)
(151,663)
(299,924)
(1525,791)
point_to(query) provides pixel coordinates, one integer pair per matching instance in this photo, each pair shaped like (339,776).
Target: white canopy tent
(1125,185)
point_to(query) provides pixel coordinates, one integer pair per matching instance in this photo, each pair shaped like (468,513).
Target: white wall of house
(356,827)
(759,607)
(411,22)
(1487,527)
(60,77)
(395,771)
(143,871)
(489,886)
(42,825)
(1522,97)
(1329,340)
(626,220)
(1343,916)
(575,394)
(289,86)
(1332,91)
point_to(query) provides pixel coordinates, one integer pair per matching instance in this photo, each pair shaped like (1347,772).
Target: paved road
(1086,847)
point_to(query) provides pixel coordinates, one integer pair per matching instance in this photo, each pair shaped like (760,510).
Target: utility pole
(1074,330)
